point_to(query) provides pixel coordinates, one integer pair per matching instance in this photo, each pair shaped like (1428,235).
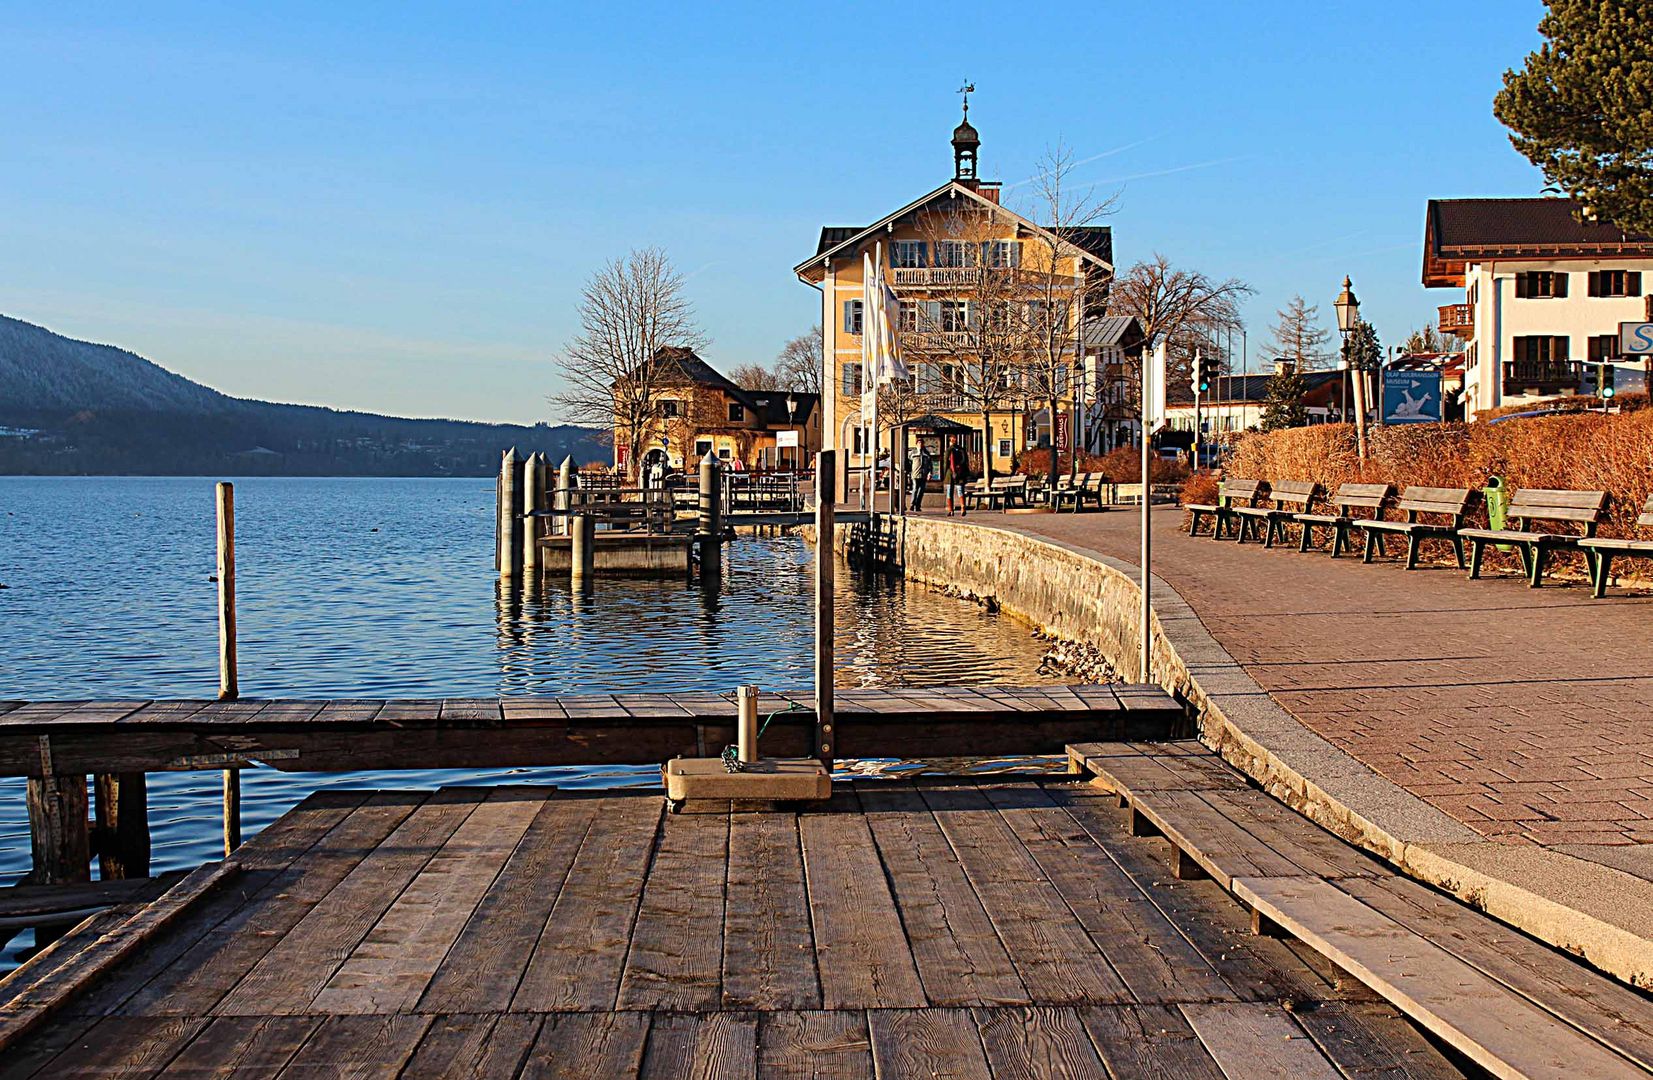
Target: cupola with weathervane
(965,141)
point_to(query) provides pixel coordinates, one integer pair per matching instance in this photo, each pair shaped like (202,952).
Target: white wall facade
(1501,317)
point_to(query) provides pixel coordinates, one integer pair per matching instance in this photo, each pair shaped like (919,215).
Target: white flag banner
(1153,400)
(891,365)
(869,344)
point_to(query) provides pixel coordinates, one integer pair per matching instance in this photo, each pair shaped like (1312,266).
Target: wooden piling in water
(582,561)
(59,838)
(709,529)
(510,525)
(565,494)
(122,825)
(826,496)
(232,810)
(533,490)
(229,686)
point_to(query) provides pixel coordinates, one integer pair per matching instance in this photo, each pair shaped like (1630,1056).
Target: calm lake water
(385,588)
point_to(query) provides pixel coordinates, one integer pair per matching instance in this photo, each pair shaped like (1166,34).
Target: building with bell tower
(972,276)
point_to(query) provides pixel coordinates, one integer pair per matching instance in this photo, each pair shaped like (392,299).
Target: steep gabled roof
(1095,245)
(1461,231)
(1106,330)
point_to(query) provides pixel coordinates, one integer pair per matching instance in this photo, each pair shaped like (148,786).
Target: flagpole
(877,361)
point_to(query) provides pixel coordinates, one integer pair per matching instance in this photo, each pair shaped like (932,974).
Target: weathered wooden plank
(388,970)
(353,711)
(34,1004)
(1222,848)
(481,971)
(242,1048)
(1255,968)
(1056,958)
(959,956)
(863,956)
(360,1047)
(1486,1021)
(710,1046)
(676,957)
(122,1046)
(19,901)
(164,712)
(1040,1041)
(1599,1006)
(1253,1039)
(768,951)
(1148,1042)
(288,978)
(62,951)
(579,958)
(471,711)
(927,1042)
(814,1046)
(1153,959)
(1307,845)
(1371,1039)
(579,1046)
(476,1046)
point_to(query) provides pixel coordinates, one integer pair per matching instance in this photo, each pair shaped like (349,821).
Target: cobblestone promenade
(1525,714)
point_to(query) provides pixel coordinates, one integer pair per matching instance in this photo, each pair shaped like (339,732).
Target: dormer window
(737,413)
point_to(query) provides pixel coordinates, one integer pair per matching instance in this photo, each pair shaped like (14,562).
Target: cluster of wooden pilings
(536,507)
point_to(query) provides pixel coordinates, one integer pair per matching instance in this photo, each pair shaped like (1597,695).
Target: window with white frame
(952,253)
(852,316)
(1000,254)
(908,254)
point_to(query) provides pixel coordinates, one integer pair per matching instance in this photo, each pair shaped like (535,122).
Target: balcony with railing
(926,277)
(1457,320)
(1540,377)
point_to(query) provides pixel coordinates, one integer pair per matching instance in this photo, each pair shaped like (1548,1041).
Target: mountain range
(74,407)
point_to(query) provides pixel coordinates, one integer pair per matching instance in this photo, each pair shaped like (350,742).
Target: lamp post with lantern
(1348,318)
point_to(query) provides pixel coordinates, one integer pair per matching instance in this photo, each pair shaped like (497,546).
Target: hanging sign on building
(1636,338)
(1411,397)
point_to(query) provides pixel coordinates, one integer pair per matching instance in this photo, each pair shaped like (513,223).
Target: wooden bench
(1230,495)
(1287,499)
(1449,503)
(1549,506)
(1076,492)
(1349,498)
(1605,548)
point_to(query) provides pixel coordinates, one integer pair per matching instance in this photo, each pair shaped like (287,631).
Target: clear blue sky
(393,206)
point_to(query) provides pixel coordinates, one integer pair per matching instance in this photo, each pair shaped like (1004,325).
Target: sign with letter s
(1636,338)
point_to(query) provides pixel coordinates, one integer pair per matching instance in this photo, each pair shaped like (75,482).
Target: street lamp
(1348,318)
(792,408)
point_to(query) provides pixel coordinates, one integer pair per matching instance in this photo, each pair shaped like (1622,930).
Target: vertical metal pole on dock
(826,496)
(533,488)
(1145,645)
(510,505)
(746,732)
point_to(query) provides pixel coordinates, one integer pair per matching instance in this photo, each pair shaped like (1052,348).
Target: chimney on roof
(989,190)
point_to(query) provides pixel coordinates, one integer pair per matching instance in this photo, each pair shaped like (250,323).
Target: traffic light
(1201,377)
(1607,380)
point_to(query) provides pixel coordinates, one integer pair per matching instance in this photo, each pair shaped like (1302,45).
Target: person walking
(955,471)
(922,463)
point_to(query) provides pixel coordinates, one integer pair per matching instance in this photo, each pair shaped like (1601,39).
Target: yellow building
(692,410)
(991,305)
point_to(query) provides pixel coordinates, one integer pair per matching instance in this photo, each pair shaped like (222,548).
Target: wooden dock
(953,928)
(80,737)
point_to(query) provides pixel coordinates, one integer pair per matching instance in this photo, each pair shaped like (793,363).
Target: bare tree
(631,310)
(800,362)
(1183,308)
(1058,281)
(757,377)
(1297,335)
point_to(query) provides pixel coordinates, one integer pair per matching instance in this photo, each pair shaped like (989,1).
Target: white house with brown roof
(1544,293)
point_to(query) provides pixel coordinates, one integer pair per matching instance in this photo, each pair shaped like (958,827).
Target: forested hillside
(72,407)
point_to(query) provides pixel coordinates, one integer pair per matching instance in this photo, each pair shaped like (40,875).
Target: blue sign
(1411,397)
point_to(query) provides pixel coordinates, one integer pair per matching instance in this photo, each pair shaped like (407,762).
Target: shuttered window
(908,255)
(1605,347)
(852,316)
(851,381)
(1541,350)
(1540,285)
(1615,283)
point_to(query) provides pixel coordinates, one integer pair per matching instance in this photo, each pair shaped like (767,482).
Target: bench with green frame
(1347,499)
(1287,499)
(1231,494)
(1546,506)
(1449,503)
(1607,548)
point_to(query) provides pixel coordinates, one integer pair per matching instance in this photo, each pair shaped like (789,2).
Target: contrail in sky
(1178,169)
(1093,157)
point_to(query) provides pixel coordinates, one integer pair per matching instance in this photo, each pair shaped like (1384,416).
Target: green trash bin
(1498,502)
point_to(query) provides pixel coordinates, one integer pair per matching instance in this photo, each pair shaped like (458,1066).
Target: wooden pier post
(826,497)
(229,685)
(533,490)
(232,810)
(746,732)
(510,526)
(582,561)
(709,530)
(565,494)
(122,830)
(59,837)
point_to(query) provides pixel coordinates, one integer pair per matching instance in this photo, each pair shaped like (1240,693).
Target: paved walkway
(1525,714)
